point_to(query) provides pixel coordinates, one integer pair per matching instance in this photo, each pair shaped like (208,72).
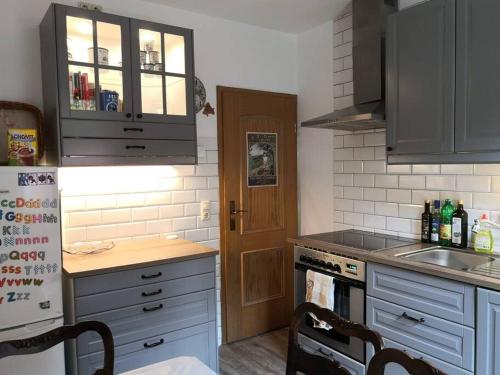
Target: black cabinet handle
(389,148)
(128,147)
(149,346)
(146,277)
(139,115)
(144,294)
(133,130)
(325,353)
(128,115)
(406,316)
(150,309)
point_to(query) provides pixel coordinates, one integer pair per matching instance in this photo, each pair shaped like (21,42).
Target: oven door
(349,304)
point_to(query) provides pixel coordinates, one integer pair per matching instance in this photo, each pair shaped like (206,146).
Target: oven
(349,297)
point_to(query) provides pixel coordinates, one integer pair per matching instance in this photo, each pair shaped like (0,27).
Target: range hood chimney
(368,112)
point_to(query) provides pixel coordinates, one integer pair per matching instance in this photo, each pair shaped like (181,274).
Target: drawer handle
(144,294)
(150,309)
(406,316)
(128,147)
(147,277)
(322,351)
(133,130)
(149,346)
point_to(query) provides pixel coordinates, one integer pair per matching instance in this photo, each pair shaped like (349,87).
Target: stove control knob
(329,265)
(307,259)
(315,262)
(322,263)
(336,268)
(302,258)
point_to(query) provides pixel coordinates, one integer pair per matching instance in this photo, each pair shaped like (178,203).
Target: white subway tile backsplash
(495,184)
(130,200)
(79,219)
(338,141)
(399,196)
(159,226)
(338,64)
(375,166)
(374,221)
(342,51)
(338,216)
(456,196)
(398,224)
(353,140)
(158,198)
(457,169)
(353,218)
(487,169)
(207,195)
(99,202)
(183,223)
(386,209)
(399,169)
(167,212)
(191,183)
(374,194)
(344,179)
(342,24)
(338,91)
(121,215)
(197,235)
(420,196)
(353,192)
(343,102)
(441,182)
(344,204)
(486,201)
(338,39)
(426,169)
(207,170)
(386,181)
(412,182)
(380,153)
(348,88)
(338,191)
(410,211)
(375,139)
(480,184)
(347,35)
(348,62)
(183,196)
(343,154)
(144,213)
(366,207)
(355,166)
(343,76)
(74,204)
(338,167)
(364,153)
(364,180)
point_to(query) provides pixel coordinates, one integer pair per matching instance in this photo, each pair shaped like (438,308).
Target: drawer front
(198,341)
(313,347)
(126,147)
(140,321)
(447,341)
(395,369)
(443,298)
(113,129)
(142,294)
(142,276)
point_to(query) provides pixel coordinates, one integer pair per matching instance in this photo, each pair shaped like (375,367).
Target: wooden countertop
(134,254)
(389,257)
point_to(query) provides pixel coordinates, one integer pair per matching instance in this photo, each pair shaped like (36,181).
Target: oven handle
(350,282)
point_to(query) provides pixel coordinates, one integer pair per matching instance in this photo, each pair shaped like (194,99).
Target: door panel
(258,173)
(421,79)
(478,59)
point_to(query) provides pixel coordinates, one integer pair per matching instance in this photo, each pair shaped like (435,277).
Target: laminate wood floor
(261,355)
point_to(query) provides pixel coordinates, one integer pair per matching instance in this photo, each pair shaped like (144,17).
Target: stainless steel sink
(450,258)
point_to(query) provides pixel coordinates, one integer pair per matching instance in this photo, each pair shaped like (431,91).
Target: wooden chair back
(49,339)
(412,365)
(299,360)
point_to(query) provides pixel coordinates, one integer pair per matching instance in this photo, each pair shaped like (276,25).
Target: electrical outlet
(205,210)
(90,6)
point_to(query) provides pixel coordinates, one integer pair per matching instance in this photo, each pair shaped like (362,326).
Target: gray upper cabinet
(478,81)
(421,78)
(116,90)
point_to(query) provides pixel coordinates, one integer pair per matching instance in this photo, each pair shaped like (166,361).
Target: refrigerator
(30,265)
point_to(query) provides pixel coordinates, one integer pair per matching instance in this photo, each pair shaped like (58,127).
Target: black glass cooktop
(361,240)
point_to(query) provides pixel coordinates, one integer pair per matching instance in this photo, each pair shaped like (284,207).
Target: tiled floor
(261,355)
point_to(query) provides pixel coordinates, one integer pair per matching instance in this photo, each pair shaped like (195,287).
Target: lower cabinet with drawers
(430,317)
(155,313)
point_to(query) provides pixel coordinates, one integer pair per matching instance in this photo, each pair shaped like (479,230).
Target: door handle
(152,345)
(406,316)
(232,215)
(151,309)
(147,277)
(145,294)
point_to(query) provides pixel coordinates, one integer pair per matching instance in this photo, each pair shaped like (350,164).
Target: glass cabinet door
(94,64)
(163,73)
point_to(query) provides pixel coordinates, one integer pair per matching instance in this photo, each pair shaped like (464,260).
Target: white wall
(315,72)
(226,52)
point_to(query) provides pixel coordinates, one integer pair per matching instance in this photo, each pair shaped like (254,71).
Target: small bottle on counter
(435,222)
(426,222)
(445,223)
(460,223)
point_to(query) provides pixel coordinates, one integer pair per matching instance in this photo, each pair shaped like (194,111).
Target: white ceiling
(291,16)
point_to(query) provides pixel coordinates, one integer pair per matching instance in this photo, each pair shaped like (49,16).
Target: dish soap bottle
(483,242)
(445,223)
(426,223)
(435,222)
(459,225)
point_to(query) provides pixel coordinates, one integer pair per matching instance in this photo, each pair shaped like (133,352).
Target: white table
(174,366)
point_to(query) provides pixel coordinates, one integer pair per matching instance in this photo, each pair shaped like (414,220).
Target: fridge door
(30,246)
(48,362)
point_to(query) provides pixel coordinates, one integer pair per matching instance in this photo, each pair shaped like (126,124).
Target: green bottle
(445,220)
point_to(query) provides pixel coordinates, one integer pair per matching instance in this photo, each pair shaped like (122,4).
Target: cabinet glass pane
(111,93)
(109,41)
(81,84)
(174,54)
(150,53)
(151,93)
(80,39)
(175,88)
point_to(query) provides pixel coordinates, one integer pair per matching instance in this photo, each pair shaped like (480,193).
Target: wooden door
(421,79)
(258,209)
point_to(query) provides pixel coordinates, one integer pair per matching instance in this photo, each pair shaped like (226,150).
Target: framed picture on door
(262,159)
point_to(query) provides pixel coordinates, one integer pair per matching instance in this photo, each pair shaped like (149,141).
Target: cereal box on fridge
(22,147)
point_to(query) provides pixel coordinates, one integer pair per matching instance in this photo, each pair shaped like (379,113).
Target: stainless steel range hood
(368,112)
